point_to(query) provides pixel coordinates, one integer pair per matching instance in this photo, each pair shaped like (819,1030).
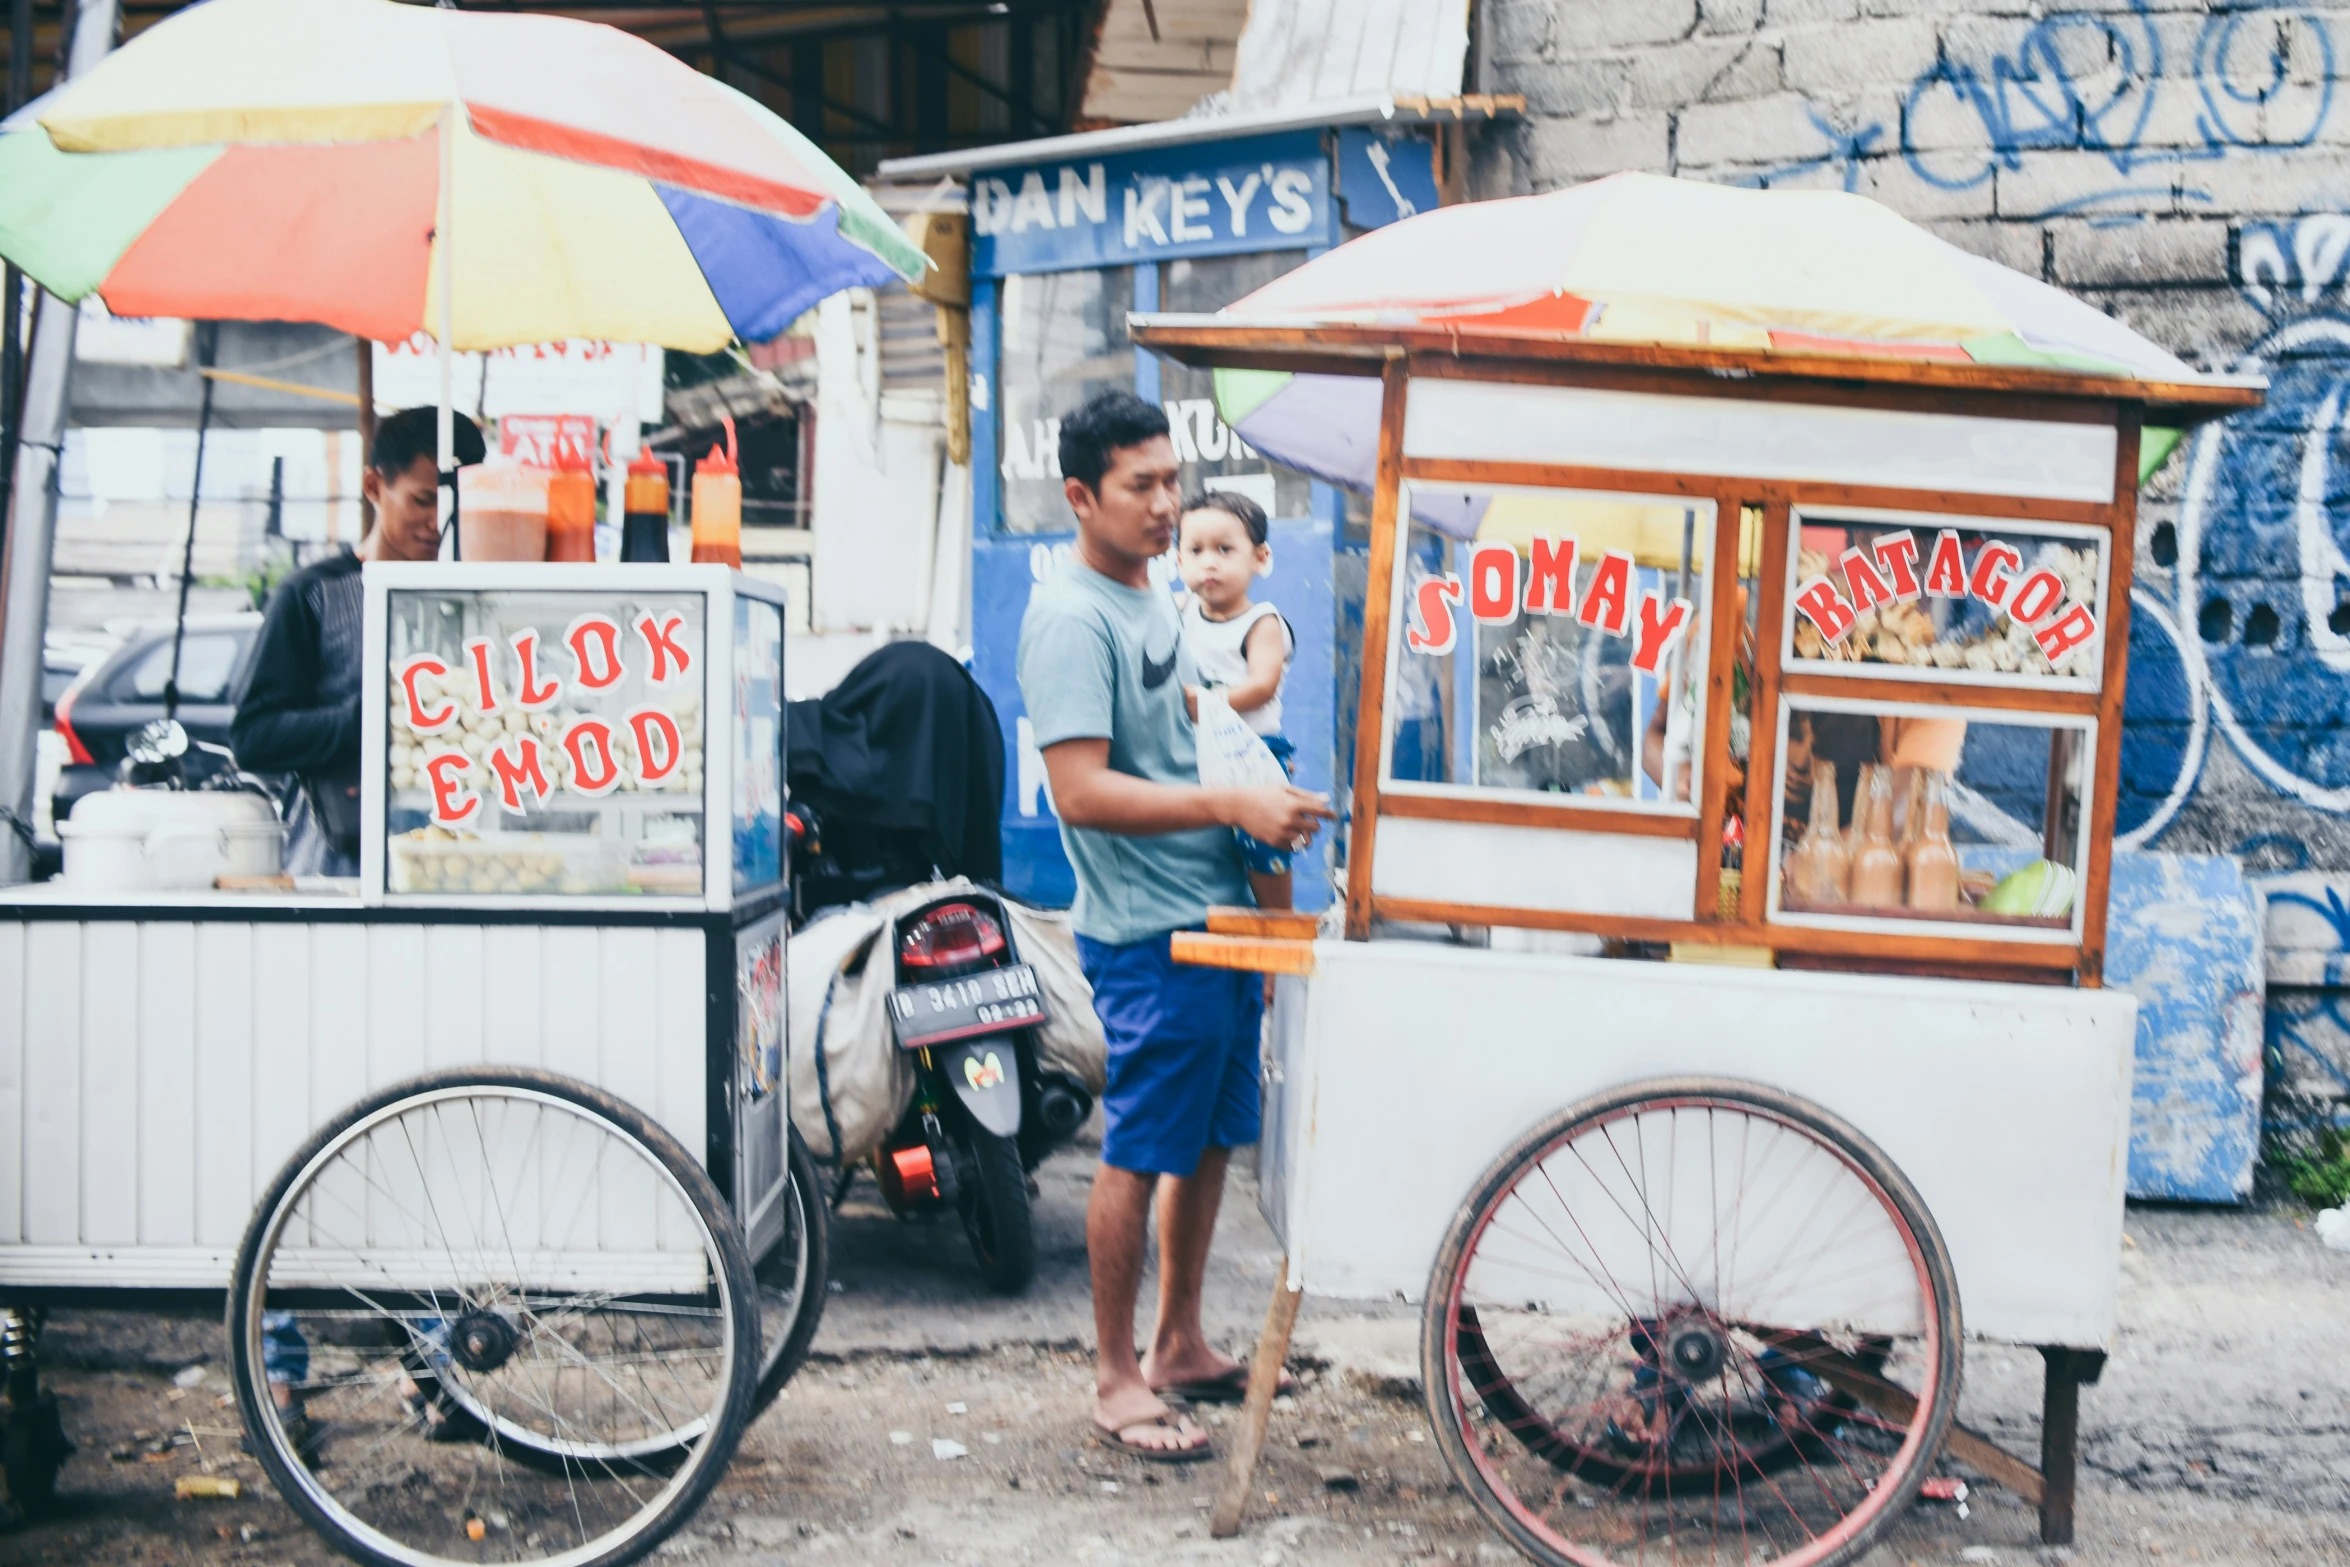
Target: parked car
(112,698)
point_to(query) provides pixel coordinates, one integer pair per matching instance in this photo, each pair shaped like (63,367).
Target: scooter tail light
(75,751)
(950,936)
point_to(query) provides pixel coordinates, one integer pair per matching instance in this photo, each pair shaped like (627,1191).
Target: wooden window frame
(2081,961)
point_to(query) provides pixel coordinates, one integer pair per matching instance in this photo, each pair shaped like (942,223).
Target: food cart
(487,1151)
(1678,1045)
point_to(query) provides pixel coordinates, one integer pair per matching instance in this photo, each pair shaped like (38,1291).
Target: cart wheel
(1692,1319)
(792,1276)
(493,1315)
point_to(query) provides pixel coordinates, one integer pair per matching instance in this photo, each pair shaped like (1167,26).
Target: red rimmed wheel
(1692,1320)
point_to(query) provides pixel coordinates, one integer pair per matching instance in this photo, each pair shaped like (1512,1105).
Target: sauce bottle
(1819,868)
(644,526)
(1933,861)
(718,506)
(571,509)
(1876,862)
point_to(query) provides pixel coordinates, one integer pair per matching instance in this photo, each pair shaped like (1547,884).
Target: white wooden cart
(487,1153)
(1692,1150)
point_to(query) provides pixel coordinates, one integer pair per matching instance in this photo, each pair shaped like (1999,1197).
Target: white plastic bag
(1231,754)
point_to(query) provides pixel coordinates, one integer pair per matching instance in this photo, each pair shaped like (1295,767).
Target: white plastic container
(168,840)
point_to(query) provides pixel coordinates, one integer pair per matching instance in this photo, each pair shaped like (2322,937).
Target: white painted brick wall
(2135,152)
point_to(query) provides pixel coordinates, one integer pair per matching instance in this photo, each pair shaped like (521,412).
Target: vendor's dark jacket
(300,710)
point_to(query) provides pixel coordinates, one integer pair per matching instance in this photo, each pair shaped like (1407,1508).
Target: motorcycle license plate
(939,1012)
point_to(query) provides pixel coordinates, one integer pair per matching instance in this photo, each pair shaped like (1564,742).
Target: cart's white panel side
(168,1005)
(50,1133)
(110,1083)
(1535,868)
(1499,421)
(12,1010)
(2007,1106)
(155,1075)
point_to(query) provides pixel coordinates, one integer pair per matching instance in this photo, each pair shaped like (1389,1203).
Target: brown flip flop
(1115,1437)
(1230,1388)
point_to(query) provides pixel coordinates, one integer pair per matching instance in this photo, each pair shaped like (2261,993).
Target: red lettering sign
(452,802)
(2066,632)
(1493,583)
(515,763)
(594,641)
(2036,598)
(485,690)
(1432,631)
(1550,576)
(1946,569)
(1658,632)
(1861,581)
(647,723)
(662,646)
(603,775)
(547,440)
(1989,583)
(1898,554)
(423,666)
(533,696)
(1607,599)
(1818,601)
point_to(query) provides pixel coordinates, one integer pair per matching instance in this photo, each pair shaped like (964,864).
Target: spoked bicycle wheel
(1692,1320)
(493,1315)
(791,1278)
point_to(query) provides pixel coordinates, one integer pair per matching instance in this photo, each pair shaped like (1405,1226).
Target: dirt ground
(2221,1431)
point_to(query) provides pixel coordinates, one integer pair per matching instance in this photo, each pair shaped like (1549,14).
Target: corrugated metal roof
(1296,52)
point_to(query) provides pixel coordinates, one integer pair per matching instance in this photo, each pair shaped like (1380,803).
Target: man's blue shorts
(1183,1055)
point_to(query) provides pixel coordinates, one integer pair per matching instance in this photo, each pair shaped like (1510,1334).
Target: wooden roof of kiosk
(1765,436)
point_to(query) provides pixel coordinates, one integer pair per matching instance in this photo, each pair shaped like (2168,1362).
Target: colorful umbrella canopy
(283,160)
(1640,258)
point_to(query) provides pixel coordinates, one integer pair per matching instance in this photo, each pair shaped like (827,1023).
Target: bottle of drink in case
(1819,867)
(1933,861)
(1876,862)
(718,506)
(644,527)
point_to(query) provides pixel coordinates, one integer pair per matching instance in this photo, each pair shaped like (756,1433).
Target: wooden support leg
(1264,1381)
(2060,1426)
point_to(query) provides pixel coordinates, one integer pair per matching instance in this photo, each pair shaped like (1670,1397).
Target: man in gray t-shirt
(1104,675)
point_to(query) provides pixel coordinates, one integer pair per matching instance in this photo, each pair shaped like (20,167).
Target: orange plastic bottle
(571,509)
(718,506)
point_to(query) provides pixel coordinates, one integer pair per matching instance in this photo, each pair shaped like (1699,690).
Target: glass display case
(572,733)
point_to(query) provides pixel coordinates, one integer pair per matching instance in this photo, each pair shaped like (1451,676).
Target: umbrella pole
(445,427)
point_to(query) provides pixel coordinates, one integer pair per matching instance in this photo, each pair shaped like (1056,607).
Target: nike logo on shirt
(1154,675)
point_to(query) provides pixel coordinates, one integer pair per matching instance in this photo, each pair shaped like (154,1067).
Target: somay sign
(1501,582)
(1208,199)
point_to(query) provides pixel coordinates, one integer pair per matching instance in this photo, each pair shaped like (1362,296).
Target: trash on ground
(1978,1553)
(219,1487)
(958,1408)
(1943,1488)
(902,1438)
(2333,1227)
(187,1377)
(942,1449)
(1109,1488)
(1336,1479)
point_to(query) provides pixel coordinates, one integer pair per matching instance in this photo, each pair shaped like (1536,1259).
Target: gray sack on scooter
(867,1082)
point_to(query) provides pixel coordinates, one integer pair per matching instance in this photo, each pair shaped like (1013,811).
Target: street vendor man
(300,712)
(1103,673)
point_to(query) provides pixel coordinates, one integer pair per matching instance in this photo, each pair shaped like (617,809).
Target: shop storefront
(1065,241)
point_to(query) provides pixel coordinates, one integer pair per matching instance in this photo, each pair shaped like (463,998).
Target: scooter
(983,1114)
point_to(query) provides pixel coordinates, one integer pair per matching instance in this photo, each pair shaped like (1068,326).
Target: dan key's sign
(1206,199)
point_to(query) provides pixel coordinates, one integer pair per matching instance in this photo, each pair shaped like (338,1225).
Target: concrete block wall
(2186,167)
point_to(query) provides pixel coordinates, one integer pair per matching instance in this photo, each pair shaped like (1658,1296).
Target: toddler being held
(1240,648)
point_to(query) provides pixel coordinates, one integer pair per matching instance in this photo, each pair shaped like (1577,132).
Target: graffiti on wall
(2260,78)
